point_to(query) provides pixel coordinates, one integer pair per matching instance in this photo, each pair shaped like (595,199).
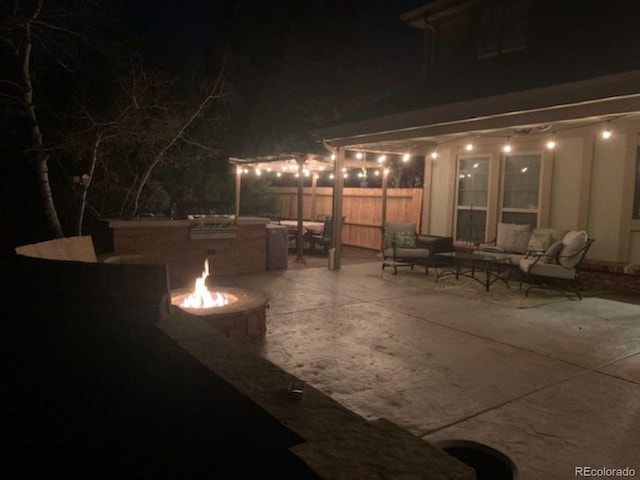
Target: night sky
(178,30)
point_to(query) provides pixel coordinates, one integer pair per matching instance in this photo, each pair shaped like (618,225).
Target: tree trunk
(85,187)
(42,168)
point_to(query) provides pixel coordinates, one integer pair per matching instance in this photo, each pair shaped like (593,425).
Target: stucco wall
(606,197)
(440,211)
(565,185)
(587,190)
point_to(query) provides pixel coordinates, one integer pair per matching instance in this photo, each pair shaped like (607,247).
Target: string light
(278,174)
(346,175)
(406,157)
(331,176)
(333,156)
(359,155)
(469,147)
(258,172)
(306,173)
(507,147)
(360,175)
(434,154)
(475,165)
(377,173)
(606,134)
(269,169)
(344,169)
(382,158)
(297,175)
(245,170)
(551,144)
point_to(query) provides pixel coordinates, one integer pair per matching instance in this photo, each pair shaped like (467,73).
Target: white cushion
(546,269)
(513,237)
(556,233)
(573,242)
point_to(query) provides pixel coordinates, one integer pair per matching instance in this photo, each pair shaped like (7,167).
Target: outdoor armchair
(403,247)
(549,271)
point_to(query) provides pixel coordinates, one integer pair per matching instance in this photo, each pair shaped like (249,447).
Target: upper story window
(503,28)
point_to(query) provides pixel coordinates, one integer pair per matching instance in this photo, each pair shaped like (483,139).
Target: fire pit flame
(201,297)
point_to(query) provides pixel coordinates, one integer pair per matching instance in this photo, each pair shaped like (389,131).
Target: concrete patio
(554,386)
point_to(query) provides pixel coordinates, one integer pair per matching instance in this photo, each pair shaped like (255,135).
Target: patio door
(472,194)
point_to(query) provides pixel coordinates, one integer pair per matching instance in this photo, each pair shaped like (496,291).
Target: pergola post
(238,185)
(385,184)
(300,235)
(338,186)
(314,185)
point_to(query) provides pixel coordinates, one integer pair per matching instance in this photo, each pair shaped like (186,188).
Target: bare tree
(215,91)
(19,38)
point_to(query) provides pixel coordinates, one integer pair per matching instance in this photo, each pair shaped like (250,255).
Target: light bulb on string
(382,159)
(434,154)
(506,148)
(606,133)
(406,157)
(376,173)
(331,176)
(279,174)
(469,147)
(359,155)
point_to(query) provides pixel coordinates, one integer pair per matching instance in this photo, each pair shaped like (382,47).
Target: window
(521,189)
(503,28)
(636,200)
(472,194)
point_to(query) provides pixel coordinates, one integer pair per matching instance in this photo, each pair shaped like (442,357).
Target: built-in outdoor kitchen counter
(233,246)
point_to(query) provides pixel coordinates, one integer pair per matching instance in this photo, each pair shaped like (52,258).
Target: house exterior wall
(588,187)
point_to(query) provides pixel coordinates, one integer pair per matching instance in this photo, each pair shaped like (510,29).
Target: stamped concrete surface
(553,386)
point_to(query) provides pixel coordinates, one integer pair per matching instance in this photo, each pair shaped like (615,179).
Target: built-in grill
(204,227)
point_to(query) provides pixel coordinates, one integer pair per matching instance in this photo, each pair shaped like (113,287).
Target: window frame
(485,156)
(503,170)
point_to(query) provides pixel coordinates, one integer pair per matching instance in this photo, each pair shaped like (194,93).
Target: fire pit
(238,314)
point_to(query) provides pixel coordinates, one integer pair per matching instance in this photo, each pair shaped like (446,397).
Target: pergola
(335,163)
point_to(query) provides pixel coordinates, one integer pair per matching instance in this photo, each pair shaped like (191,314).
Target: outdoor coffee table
(484,268)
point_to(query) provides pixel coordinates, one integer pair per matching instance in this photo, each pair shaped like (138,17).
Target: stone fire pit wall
(240,321)
(169,242)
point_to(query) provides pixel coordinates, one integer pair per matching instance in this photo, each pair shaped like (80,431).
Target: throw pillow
(405,240)
(518,240)
(573,243)
(539,242)
(551,254)
(506,240)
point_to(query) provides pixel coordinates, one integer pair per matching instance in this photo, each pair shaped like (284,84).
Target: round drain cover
(489,464)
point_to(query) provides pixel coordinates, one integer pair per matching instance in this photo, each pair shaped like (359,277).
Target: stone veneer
(600,275)
(168,242)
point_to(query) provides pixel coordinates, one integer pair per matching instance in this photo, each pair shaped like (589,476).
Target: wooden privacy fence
(362,208)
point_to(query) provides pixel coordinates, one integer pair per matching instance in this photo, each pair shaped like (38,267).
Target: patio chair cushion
(551,270)
(573,242)
(416,253)
(512,237)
